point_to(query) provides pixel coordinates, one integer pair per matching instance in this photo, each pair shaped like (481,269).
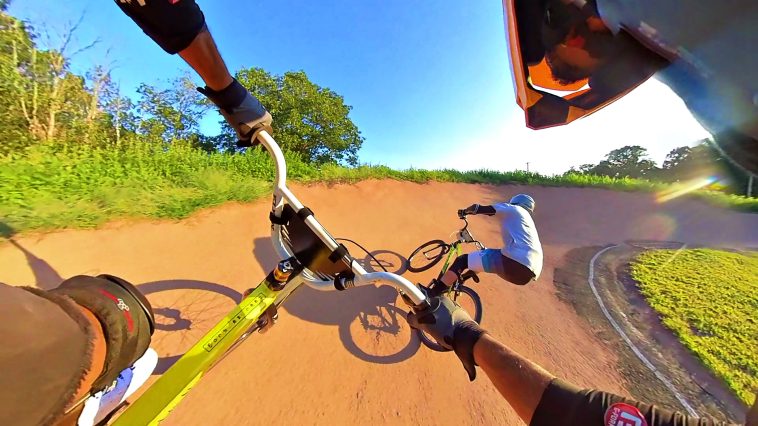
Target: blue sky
(429,82)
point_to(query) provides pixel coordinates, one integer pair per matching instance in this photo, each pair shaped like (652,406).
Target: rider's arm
(179,27)
(540,399)
(537,396)
(519,380)
(480,209)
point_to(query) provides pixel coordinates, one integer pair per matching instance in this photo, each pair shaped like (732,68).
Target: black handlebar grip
(461,214)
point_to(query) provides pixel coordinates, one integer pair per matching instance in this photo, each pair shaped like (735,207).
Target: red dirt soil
(349,357)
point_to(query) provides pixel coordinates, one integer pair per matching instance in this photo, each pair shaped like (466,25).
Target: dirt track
(349,358)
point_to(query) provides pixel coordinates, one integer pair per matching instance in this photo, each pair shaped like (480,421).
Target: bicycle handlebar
(283,196)
(465,235)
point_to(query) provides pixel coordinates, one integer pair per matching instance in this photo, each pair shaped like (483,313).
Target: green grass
(709,299)
(54,186)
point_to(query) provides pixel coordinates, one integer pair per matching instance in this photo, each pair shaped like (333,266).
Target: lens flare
(684,188)
(657,226)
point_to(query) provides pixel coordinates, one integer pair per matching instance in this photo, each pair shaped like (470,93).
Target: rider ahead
(520,259)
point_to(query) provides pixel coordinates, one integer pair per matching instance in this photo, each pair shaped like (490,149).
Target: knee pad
(171,24)
(124,313)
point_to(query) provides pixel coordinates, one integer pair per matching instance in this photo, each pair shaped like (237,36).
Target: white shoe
(98,406)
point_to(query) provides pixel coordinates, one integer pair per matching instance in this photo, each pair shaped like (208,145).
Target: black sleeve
(173,25)
(488,210)
(565,404)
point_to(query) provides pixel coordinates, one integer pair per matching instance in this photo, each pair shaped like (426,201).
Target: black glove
(472,209)
(243,111)
(451,327)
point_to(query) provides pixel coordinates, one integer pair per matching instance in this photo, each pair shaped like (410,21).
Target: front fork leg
(277,279)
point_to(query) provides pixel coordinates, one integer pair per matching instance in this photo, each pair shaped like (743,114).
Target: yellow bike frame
(456,251)
(159,399)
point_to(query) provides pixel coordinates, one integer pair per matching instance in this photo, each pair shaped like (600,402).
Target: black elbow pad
(172,24)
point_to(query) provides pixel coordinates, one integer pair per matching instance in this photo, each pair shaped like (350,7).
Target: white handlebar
(282,196)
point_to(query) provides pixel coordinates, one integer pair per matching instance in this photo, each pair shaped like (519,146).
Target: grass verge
(53,186)
(709,299)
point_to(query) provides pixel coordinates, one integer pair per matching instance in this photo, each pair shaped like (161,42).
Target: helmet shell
(524,201)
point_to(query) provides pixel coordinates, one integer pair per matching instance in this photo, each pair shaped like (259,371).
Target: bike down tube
(164,395)
(282,194)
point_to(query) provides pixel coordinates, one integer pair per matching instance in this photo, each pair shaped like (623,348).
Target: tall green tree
(170,114)
(120,110)
(677,157)
(41,99)
(628,161)
(16,52)
(308,119)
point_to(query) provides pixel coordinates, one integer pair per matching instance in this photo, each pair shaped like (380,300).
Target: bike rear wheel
(469,301)
(427,255)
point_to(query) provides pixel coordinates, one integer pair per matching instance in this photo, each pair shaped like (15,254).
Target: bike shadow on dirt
(178,318)
(378,310)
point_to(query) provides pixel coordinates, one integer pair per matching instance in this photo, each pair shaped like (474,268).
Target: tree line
(681,164)
(43,102)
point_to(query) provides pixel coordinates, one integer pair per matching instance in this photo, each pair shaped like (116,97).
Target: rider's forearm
(179,27)
(480,209)
(520,381)
(536,395)
(203,56)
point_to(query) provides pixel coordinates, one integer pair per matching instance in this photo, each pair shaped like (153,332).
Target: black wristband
(227,98)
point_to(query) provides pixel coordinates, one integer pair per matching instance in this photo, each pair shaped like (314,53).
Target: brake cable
(366,251)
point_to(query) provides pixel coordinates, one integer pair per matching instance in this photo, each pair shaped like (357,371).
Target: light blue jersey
(520,240)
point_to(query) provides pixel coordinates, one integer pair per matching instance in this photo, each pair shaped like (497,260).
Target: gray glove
(243,111)
(451,327)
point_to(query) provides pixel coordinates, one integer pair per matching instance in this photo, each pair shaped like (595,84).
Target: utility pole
(750,185)
(527,168)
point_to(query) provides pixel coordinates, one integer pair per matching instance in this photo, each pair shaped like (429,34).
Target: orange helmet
(570,58)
